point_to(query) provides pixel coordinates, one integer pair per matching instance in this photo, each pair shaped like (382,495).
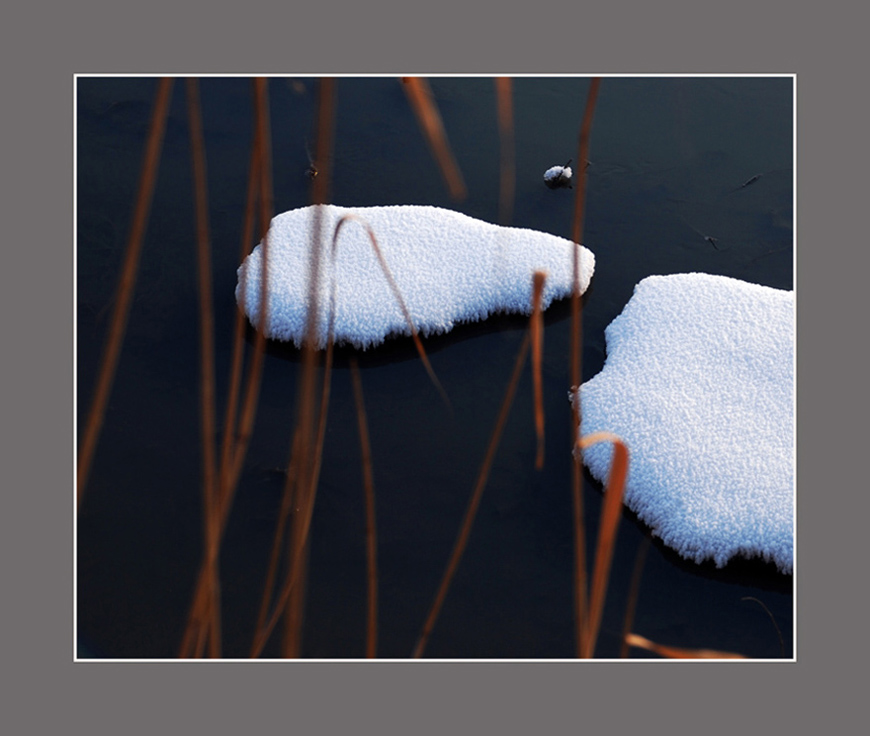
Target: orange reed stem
(474,502)
(580,583)
(126,286)
(420,96)
(507,180)
(371,533)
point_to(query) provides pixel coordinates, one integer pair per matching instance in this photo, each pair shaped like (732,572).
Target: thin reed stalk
(536,327)
(611,512)
(226,484)
(772,620)
(394,287)
(294,604)
(126,285)
(580,583)
(420,96)
(474,502)
(669,652)
(262,142)
(306,472)
(211,508)
(280,526)
(633,593)
(371,533)
(325,133)
(507,178)
(583,157)
(293,499)
(304,466)
(305,505)
(309,373)
(233,452)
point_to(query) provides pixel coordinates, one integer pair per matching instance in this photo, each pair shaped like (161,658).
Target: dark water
(668,158)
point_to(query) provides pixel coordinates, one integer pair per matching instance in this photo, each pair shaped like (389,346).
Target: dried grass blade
(536,327)
(262,141)
(275,555)
(580,582)
(320,435)
(474,502)
(126,285)
(633,593)
(396,292)
(290,504)
(581,602)
(295,583)
(304,507)
(772,620)
(199,619)
(371,534)
(577,233)
(303,510)
(583,157)
(678,653)
(227,487)
(507,180)
(323,150)
(309,453)
(294,604)
(611,512)
(236,440)
(207,378)
(420,96)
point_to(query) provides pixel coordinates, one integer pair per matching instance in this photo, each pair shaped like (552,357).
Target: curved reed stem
(396,292)
(669,652)
(310,451)
(371,533)
(474,502)
(580,583)
(126,286)
(633,593)
(420,96)
(262,142)
(611,512)
(235,438)
(211,505)
(772,620)
(536,326)
(507,177)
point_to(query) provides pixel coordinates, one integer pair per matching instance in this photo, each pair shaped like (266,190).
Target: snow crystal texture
(699,383)
(449,268)
(555,172)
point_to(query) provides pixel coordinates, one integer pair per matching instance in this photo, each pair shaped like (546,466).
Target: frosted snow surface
(449,268)
(699,383)
(554,172)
